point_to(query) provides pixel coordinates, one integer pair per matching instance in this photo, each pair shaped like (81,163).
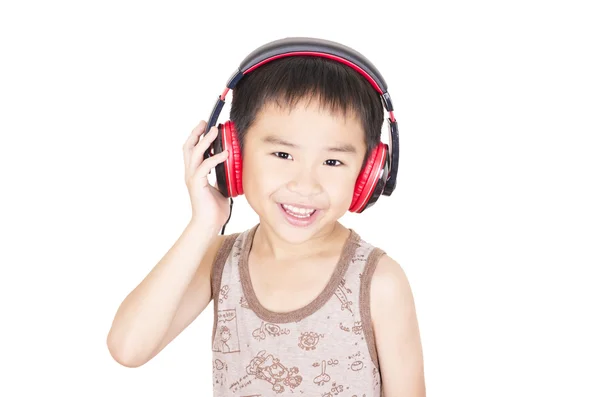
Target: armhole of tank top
(217,274)
(365,302)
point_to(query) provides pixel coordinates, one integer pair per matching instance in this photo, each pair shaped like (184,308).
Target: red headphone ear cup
(235,159)
(367,179)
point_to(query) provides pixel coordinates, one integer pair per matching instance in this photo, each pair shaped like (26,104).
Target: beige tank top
(325,349)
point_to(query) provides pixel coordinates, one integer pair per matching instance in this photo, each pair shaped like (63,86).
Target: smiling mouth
(298,211)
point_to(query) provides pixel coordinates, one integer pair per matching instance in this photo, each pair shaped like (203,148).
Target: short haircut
(286,81)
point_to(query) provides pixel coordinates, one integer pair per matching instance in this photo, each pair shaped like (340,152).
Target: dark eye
(282,155)
(332,163)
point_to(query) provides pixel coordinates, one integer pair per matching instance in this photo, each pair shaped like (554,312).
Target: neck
(267,244)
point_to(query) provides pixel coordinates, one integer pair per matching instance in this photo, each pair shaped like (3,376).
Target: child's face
(308,173)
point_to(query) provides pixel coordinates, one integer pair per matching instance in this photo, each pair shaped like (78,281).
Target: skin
(308,174)
(285,258)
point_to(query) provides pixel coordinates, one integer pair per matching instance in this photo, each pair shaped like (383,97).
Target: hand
(209,206)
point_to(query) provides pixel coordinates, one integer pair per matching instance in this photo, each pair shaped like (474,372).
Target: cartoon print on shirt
(324,377)
(359,256)
(221,344)
(237,248)
(241,383)
(336,389)
(244,303)
(226,335)
(341,295)
(357,365)
(218,377)
(223,293)
(357,329)
(309,340)
(356,361)
(344,328)
(219,365)
(271,329)
(332,362)
(343,285)
(268,368)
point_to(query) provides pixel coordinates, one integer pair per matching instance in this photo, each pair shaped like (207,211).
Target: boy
(302,303)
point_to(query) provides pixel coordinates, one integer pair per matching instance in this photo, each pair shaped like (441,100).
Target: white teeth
(299,212)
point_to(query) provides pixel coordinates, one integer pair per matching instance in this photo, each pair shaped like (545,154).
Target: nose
(305,183)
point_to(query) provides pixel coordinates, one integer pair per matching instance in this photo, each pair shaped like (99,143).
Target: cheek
(341,189)
(258,176)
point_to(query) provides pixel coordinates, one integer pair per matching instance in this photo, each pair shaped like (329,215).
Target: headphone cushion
(235,158)
(367,179)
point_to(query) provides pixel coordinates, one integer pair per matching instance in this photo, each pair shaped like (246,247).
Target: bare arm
(169,298)
(397,333)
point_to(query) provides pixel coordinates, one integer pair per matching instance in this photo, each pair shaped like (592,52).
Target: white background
(495,218)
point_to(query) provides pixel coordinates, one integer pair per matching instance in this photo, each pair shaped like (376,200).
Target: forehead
(308,123)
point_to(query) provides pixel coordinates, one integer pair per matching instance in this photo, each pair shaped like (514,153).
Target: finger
(192,139)
(204,169)
(197,153)
(211,163)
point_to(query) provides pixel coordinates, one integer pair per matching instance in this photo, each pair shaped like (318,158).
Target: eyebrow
(343,148)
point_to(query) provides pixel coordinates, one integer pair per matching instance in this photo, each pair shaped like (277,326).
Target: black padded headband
(307,46)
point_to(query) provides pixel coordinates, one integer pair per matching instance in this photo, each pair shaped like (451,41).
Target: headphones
(377,177)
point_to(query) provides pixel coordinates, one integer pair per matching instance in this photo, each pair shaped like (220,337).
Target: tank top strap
(356,285)
(224,252)
(365,301)
(223,257)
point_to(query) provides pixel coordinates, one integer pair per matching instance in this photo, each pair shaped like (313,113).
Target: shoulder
(389,281)
(383,273)
(391,296)
(386,284)
(396,330)
(219,251)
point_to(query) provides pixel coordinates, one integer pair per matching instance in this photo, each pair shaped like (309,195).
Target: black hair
(286,81)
